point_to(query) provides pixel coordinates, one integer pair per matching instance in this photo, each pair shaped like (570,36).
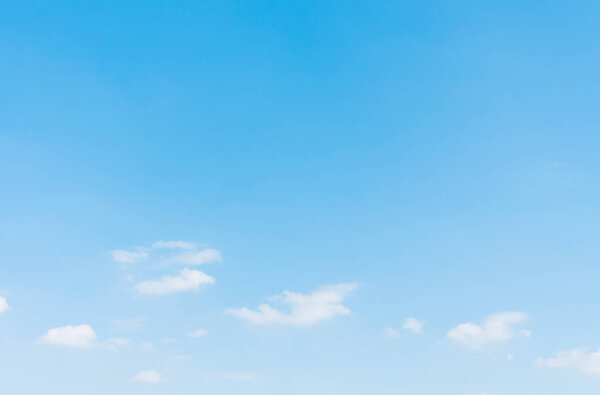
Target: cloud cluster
(305,309)
(578,358)
(495,329)
(186,253)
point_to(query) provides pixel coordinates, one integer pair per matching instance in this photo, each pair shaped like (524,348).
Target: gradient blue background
(442,154)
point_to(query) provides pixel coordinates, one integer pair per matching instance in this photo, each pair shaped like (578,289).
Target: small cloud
(3,305)
(168,340)
(198,333)
(124,256)
(182,357)
(496,328)
(114,344)
(510,357)
(179,244)
(578,359)
(391,333)
(80,336)
(148,377)
(197,257)
(414,325)
(319,305)
(187,280)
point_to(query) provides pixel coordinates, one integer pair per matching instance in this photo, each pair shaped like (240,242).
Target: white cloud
(80,336)
(495,329)
(187,280)
(168,340)
(148,377)
(391,333)
(3,305)
(179,244)
(207,255)
(124,256)
(578,358)
(414,325)
(308,309)
(198,333)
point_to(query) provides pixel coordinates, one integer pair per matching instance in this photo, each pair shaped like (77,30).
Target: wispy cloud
(191,255)
(208,255)
(391,333)
(306,309)
(124,256)
(129,324)
(79,336)
(116,343)
(178,244)
(496,328)
(148,377)
(187,280)
(578,358)
(198,333)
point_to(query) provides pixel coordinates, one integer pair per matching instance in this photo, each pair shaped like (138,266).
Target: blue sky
(299,197)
